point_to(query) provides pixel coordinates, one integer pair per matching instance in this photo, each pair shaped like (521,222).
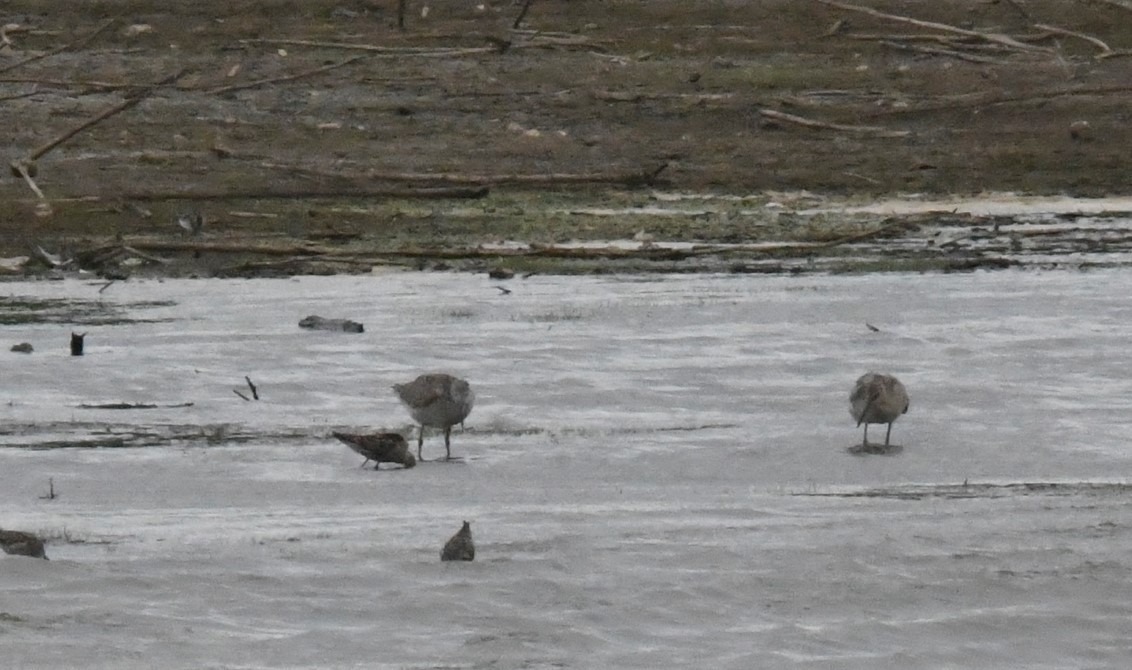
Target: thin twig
(73,45)
(1088,38)
(384,51)
(810,123)
(129,102)
(237,392)
(990,37)
(973,58)
(522,14)
(290,77)
(255,394)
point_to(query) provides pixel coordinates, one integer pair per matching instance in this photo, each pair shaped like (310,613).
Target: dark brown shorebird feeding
(877,398)
(21,544)
(460,546)
(438,401)
(380,448)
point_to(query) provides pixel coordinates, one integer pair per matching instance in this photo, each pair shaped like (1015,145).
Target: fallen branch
(274,192)
(810,123)
(73,45)
(67,83)
(51,495)
(967,100)
(642,178)
(973,58)
(1105,49)
(649,177)
(400,52)
(932,25)
(290,77)
(522,15)
(1122,4)
(869,234)
(132,405)
(25,167)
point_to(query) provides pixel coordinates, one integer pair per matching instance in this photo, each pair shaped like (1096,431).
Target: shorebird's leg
(865,444)
(420,441)
(377,465)
(363,464)
(447,447)
(887,433)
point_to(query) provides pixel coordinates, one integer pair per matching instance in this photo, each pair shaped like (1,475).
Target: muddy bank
(297,126)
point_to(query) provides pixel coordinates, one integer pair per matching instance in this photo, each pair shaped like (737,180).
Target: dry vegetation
(320,130)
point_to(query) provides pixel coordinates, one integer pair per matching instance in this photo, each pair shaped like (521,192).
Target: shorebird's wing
(422,394)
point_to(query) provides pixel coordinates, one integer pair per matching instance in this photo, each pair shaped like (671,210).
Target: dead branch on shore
(255,393)
(810,123)
(290,77)
(1122,4)
(522,15)
(67,83)
(869,234)
(77,44)
(650,177)
(951,53)
(398,52)
(997,38)
(25,167)
(276,193)
(967,100)
(131,405)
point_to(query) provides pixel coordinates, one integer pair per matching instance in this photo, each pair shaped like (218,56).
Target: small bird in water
(459,547)
(877,398)
(22,544)
(192,222)
(380,448)
(437,400)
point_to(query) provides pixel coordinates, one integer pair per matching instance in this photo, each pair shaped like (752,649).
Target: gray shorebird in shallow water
(459,547)
(22,544)
(877,398)
(439,401)
(380,448)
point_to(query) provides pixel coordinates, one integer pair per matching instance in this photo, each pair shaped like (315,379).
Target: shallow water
(656,474)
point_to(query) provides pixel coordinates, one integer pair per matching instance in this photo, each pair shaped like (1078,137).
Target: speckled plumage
(379,447)
(460,546)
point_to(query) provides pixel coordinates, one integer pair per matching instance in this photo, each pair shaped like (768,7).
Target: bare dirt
(321,137)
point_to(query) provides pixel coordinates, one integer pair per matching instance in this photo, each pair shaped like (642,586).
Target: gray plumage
(439,401)
(460,546)
(22,544)
(877,398)
(379,447)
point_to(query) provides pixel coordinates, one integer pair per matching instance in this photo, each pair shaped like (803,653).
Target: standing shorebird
(379,448)
(459,547)
(877,398)
(22,544)
(439,401)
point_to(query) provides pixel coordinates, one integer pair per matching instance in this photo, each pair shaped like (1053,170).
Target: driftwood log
(314,322)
